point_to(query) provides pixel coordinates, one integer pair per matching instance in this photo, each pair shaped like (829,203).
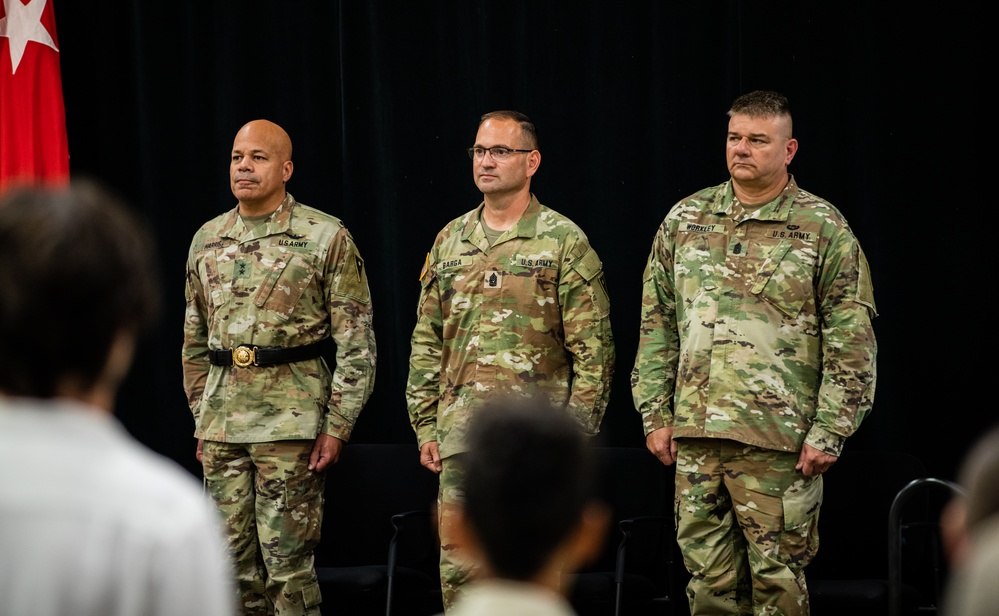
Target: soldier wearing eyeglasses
(513,301)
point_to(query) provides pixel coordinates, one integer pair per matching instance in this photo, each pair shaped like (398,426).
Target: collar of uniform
(280,221)
(777,209)
(527,226)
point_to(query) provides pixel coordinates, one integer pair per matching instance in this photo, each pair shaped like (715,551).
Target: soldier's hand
(813,462)
(660,442)
(430,457)
(325,451)
(200,451)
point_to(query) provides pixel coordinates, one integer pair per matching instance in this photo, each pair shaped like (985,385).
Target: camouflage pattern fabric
(742,509)
(456,572)
(291,281)
(269,498)
(756,324)
(529,315)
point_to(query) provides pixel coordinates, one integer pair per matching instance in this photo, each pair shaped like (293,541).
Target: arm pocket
(590,269)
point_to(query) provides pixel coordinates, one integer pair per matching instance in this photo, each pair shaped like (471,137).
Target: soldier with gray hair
(756,362)
(512,301)
(267,282)
(92,523)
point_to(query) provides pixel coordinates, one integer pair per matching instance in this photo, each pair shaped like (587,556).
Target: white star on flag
(23,24)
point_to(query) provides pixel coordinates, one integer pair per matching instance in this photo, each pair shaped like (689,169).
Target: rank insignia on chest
(493,279)
(242,269)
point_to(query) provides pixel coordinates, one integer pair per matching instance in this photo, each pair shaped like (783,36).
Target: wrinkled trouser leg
(747,525)
(455,572)
(272,514)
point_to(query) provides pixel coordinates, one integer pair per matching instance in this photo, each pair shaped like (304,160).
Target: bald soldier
(513,301)
(267,282)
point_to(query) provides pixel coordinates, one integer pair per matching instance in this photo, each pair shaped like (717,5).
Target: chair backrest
(853,521)
(370,484)
(635,484)
(916,555)
(850,571)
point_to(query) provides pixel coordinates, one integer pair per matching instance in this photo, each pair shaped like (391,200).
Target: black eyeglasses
(496,152)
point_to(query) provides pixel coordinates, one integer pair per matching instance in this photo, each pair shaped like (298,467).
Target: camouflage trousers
(747,525)
(456,570)
(272,510)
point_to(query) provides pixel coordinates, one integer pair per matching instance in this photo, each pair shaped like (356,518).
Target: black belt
(244,355)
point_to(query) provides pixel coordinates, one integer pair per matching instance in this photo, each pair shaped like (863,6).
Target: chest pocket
(526,290)
(784,278)
(284,285)
(695,260)
(456,284)
(213,280)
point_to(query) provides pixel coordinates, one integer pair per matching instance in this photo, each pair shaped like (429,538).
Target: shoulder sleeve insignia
(426,265)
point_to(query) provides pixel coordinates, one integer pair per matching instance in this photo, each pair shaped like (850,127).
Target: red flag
(33,144)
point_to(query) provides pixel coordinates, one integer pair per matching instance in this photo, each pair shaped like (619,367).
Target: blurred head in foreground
(78,286)
(530,509)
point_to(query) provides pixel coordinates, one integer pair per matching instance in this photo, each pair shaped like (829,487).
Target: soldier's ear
(533,162)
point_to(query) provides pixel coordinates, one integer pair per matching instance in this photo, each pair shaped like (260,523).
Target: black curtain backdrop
(381,98)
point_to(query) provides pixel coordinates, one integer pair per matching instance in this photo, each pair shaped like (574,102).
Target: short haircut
(527,127)
(761,103)
(529,472)
(76,269)
(764,104)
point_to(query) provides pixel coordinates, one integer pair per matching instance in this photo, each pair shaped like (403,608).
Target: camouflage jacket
(294,280)
(528,315)
(756,325)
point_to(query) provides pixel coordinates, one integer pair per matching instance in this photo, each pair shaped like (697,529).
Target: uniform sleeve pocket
(590,269)
(351,278)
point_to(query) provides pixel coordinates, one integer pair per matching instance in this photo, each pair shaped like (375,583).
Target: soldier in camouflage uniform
(513,301)
(756,362)
(267,282)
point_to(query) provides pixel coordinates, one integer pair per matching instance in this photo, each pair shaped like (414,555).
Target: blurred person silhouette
(530,512)
(92,523)
(970,529)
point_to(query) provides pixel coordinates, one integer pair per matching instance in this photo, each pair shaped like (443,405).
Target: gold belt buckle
(244,356)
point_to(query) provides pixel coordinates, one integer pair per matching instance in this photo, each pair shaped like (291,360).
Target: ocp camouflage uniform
(295,279)
(756,328)
(529,315)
